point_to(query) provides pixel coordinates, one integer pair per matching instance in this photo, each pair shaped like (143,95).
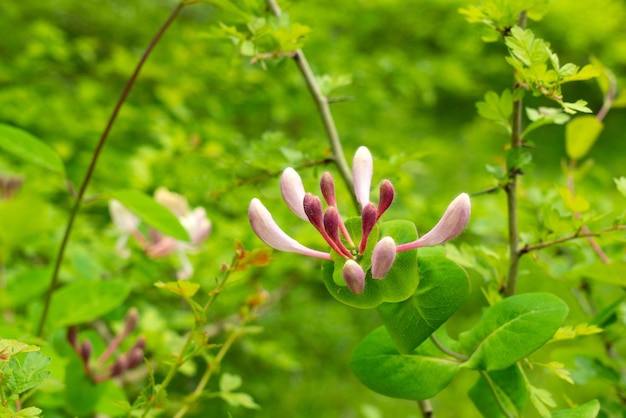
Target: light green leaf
(580,135)
(180,287)
(399,284)
(378,365)
(443,288)
(153,213)
(512,329)
(613,273)
(590,409)
(621,184)
(240,399)
(30,373)
(508,385)
(229,382)
(25,146)
(10,348)
(84,301)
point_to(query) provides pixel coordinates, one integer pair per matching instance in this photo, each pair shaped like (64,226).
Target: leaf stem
(511,188)
(427,408)
(446,350)
(92,165)
(323,106)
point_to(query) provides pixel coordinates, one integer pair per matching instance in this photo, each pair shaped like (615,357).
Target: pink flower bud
(362,171)
(369,217)
(354,276)
(313,209)
(386,197)
(85,350)
(451,224)
(327,185)
(293,192)
(130,321)
(383,257)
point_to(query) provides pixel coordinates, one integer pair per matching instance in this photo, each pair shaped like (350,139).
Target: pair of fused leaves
(507,332)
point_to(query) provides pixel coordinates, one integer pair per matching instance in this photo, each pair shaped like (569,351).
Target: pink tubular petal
(327,186)
(362,171)
(270,233)
(451,224)
(293,192)
(383,257)
(331,225)
(354,276)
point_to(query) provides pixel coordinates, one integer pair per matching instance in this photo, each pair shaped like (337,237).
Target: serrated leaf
(152,212)
(84,301)
(512,329)
(30,149)
(443,288)
(240,399)
(419,375)
(29,373)
(180,287)
(10,348)
(574,203)
(580,135)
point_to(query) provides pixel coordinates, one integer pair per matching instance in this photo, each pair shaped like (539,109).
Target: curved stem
(92,165)
(511,189)
(446,350)
(323,107)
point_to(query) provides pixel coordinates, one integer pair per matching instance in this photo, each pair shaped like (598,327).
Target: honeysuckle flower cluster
(332,228)
(157,245)
(100,369)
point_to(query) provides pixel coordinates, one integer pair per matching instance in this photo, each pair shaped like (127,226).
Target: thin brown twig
(92,165)
(577,235)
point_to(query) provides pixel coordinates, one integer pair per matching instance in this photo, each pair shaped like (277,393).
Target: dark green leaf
(153,213)
(378,365)
(512,329)
(443,288)
(25,146)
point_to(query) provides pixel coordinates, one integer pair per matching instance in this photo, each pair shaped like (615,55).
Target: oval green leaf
(512,329)
(399,284)
(84,301)
(589,409)
(510,388)
(443,287)
(580,135)
(30,149)
(152,212)
(420,375)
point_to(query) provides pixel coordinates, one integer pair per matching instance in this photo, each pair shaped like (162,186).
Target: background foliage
(205,122)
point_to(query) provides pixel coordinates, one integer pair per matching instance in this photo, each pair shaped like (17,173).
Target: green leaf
(512,329)
(613,273)
(10,348)
(30,373)
(580,135)
(399,284)
(81,394)
(508,385)
(443,288)
(620,183)
(229,382)
(590,409)
(526,48)
(180,287)
(25,146)
(240,399)
(84,301)
(497,108)
(378,365)
(153,213)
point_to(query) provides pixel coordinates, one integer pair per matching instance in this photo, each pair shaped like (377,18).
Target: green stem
(180,360)
(211,367)
(323,107)
(446,350)
(511,190)
(92,165)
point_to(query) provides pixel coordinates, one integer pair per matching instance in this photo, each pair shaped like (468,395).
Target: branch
(578,234)
(92,165)
(324,109)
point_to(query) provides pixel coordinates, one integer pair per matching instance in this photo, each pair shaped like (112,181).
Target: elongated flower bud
(451,224)
(293,192)
(362,171)
(313,209)
(327,186)
(368,220)
(354,276)
(383,257)
(331,225)
(386,197)
(270,233)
